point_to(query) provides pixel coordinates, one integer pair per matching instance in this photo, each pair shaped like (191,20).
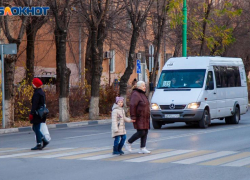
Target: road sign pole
(3,93)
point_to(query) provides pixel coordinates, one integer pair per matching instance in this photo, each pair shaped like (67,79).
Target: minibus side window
(210,81)
(237,77)
(224,76)
(217,76)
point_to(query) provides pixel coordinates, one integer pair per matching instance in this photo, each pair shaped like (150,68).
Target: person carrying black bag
(38,103)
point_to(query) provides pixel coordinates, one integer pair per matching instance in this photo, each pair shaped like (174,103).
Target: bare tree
(162,6)
(208,6)
(95,13)
(10,62)
(34,23)
(61,13)
(137,11)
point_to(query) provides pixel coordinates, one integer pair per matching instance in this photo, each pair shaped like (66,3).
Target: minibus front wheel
(156,124)
(205,120)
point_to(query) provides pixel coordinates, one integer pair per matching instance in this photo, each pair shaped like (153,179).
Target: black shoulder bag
(42,112)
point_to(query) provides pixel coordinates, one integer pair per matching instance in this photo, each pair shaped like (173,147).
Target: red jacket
(139,109)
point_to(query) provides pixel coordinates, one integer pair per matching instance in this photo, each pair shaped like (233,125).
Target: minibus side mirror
(210,86)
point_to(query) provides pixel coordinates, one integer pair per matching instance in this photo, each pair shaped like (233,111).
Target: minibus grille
(164,107)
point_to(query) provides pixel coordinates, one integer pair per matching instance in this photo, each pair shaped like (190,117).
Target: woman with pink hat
(118,125)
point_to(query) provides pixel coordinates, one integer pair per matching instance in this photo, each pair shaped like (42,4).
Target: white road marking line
(205,157)
(12,150)
(104,156)
(74,153)
(99,157)
(33,152)
(158,156)
(239,163)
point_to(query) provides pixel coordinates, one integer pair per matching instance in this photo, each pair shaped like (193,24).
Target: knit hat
(119,99)
(37,82)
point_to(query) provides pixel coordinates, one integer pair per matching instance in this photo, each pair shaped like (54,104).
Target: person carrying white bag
(45,131)
(38,116)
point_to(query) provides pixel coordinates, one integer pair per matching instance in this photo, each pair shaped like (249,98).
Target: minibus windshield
(188,78)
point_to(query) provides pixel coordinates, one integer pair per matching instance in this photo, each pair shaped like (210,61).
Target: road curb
(55,126)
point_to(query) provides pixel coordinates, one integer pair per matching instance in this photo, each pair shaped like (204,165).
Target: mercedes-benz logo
(171,106)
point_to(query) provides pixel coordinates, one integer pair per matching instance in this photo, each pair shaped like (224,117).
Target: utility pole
(184,30)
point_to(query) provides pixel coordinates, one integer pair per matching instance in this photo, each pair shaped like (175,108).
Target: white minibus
(196,90)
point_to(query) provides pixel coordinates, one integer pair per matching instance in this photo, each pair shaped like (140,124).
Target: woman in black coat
(38,100)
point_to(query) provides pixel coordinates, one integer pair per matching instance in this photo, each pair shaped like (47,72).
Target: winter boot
(45,143)
(115,150)
(120,149)
(37,147)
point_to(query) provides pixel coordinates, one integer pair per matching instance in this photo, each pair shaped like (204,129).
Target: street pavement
(179,152)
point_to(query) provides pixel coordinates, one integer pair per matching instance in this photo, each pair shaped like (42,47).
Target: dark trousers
(141,133)
(118,142)
(39,135)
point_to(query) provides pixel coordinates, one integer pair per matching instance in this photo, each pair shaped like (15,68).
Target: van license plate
(172,115)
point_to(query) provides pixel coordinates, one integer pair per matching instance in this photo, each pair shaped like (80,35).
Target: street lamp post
(184,29)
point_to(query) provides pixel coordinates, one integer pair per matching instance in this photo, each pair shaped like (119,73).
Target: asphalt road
(179,152)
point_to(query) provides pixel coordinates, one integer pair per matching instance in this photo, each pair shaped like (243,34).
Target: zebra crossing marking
(205,157)
(182,156)
(31,152)
(227,159)
(14,150)
(75,153)
(198,157)
(79,156)
(5,149)
(51,153)
(133,155)
(239,163)
(158,156)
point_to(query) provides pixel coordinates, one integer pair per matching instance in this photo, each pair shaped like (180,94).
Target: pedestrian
(118,125)
(140,112)
(38,100)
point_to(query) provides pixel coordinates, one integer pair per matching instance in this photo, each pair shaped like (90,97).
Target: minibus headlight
(194,105)
(155,106)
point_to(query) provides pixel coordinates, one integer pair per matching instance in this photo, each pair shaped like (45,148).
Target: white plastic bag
(44,130)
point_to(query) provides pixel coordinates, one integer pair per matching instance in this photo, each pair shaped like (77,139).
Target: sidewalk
(53,126)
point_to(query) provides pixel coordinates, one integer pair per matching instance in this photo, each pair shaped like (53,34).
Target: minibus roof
(200,62)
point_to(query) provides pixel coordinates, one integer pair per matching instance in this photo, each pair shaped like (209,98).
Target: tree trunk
(177,48)
(97,38)
(63,75)
(204,27)
(9,72)
(88,63)
(30,52)
(129,70)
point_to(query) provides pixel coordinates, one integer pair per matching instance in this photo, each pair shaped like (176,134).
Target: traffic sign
(138,66)
(9,49)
